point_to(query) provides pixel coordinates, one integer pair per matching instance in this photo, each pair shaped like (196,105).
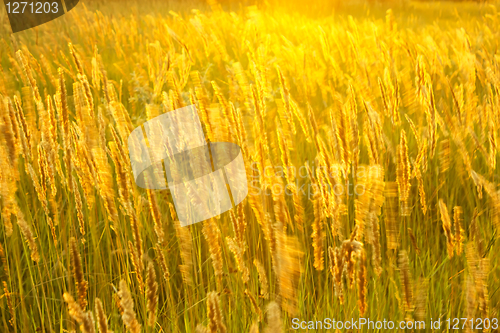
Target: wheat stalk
(85,319)
(28,235)
(406,282)
(403,174)
(445,218)
(457,225)
(215,317)
(237,251)
(212,236)
(102,322)
(80,282)
(317,235)
(12,320)
(127,304)
(264,291)
(151,294)
(274,324)
(362,283)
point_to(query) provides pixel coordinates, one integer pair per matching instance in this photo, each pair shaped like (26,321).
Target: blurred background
(311,7)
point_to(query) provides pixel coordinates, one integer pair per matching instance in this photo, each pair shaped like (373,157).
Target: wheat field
(370,136)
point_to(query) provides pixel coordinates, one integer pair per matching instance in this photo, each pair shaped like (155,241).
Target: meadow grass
(401,100)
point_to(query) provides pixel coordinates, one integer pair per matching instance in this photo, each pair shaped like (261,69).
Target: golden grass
(371,149)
